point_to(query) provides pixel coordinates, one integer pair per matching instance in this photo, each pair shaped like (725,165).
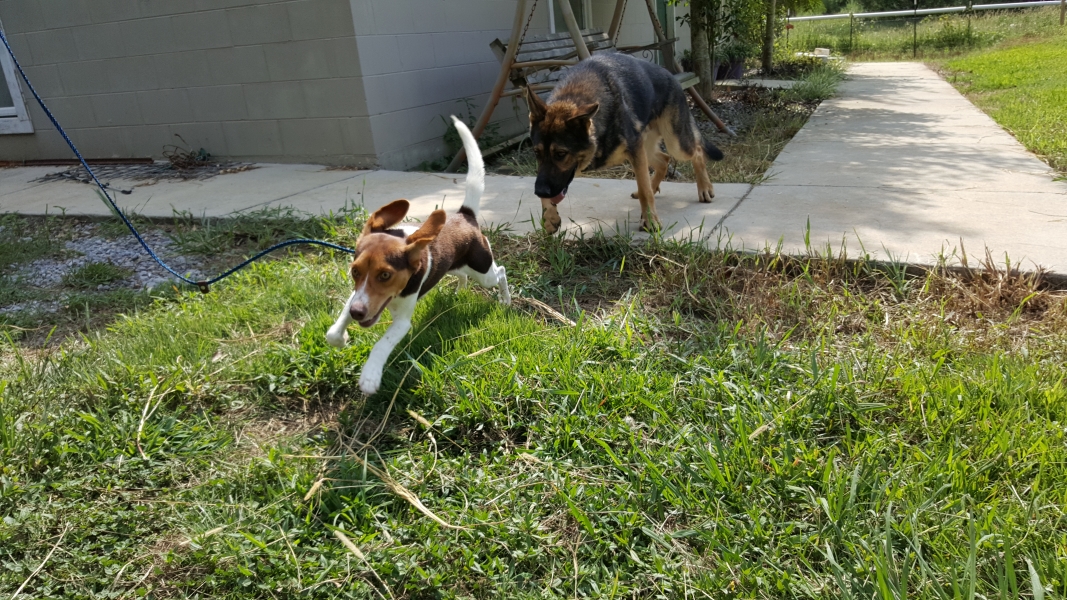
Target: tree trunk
(698,38)
(768,38)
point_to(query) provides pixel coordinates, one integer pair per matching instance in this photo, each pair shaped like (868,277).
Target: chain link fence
(920,32)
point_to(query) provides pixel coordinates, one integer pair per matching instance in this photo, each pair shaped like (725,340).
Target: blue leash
(204,285)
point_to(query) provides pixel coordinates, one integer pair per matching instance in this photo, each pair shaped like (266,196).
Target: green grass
(936,36)
(25,240)
(251,232)
(715,424)
(817,85)
(93,274)
(1024,89)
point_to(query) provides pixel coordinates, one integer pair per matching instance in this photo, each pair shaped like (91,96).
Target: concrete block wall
(422,60)
(248,79)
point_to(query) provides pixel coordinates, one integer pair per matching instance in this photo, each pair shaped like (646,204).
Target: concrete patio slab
(900,165)
(508,201)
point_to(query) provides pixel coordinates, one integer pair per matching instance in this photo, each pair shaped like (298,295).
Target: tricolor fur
(395,265)
(609,109)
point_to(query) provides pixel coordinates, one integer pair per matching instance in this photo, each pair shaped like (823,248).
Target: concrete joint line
(722,219)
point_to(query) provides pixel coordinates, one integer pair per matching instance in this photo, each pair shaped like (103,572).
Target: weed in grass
(113,227)
(255,230)
(818,84)
(92,275)
(24,240)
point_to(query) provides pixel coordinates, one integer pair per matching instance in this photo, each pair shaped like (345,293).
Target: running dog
(395,265)
(608,109)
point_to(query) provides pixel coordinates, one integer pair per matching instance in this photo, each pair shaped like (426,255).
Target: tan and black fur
(395,265)
(610,109)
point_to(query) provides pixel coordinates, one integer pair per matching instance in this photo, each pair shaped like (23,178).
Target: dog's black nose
(358,310)
(544,189)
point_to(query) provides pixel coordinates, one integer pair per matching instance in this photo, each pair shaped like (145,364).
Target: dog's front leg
(402,310)
(337,336)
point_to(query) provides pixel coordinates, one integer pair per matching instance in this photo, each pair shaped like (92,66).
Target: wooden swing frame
(518,33)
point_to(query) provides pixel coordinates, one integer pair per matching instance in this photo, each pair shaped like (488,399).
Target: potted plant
(730,59)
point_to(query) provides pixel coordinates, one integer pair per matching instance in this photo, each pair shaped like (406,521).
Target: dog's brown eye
(560,154)
(384,276)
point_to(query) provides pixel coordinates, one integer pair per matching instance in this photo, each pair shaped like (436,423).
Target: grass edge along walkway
(1023,87)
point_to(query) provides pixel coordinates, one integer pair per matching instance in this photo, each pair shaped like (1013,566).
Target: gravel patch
(33,306)
(125,252)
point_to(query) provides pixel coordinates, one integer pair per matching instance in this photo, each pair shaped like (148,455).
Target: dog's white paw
(337,340)
(369,382)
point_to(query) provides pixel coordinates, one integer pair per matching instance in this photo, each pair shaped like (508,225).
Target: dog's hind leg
(496,277)
(692,149)
(660,161)
(705,191)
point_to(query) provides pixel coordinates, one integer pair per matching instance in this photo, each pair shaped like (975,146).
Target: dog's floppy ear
(538,108)
(386,216)
(422,237)
(584,112)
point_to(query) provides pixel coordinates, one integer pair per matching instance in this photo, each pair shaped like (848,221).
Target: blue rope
(203,285)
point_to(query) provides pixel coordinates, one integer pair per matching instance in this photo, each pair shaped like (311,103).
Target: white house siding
(422,59)
(357,82)
(248,79)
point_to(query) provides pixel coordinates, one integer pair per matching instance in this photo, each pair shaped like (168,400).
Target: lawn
(1024,88)
(659,421)
(935,36)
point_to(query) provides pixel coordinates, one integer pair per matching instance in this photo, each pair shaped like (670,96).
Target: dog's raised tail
(475,168)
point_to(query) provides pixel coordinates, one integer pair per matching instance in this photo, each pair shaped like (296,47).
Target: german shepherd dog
(608,109)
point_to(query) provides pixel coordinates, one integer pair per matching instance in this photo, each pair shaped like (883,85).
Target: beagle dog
(395,265)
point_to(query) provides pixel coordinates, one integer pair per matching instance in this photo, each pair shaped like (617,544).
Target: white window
(13,116)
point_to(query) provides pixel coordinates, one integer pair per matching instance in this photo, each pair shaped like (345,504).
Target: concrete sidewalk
(901,164)
(898,164)
(508,201)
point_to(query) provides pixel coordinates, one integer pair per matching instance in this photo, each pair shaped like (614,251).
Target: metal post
(851,23)
(551,17)
(661,37)
(915,30)
(572,26)
(616,19)
(1063,11)
(969,12)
